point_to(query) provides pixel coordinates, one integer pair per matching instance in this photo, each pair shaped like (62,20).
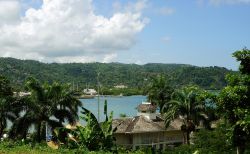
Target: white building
(22,94)
(120,86)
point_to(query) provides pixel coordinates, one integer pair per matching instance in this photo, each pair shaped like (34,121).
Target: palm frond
(63,114)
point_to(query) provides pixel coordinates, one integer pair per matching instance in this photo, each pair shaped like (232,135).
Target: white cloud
(139,62)
(69,30)
(219,2)
(77,59)
(136,7)
(9,11)
(109,58)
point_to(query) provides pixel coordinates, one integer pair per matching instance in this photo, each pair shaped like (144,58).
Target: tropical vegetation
(51,104)
(47,105)
(94,136)
(159,91)
(189,104)
(234,102)
(8,105)
(111,74)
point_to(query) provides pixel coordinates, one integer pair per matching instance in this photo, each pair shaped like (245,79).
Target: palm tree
(8,104)
(7,113)
(159,91)
(188,104)
(46,101)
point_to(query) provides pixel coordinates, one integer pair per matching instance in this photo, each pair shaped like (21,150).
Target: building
(147,110)
(147,129)
(22,94)
(120,86)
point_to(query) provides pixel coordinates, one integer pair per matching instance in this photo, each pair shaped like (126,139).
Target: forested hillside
(110,74)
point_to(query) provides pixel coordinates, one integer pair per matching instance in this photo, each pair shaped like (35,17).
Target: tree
(5,88)
(189,104)
(94,135)
(159,91)
(46,101)
(8,105)
(234,101)
(212,141)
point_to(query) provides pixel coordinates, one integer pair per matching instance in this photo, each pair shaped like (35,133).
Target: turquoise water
(125,105)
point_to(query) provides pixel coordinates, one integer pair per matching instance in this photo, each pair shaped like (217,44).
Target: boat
(86,96)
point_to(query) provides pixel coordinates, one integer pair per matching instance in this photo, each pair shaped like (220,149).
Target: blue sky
(203,35)
(196,32)
(200,34)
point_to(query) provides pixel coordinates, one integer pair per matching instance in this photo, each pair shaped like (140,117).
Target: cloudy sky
(197,32)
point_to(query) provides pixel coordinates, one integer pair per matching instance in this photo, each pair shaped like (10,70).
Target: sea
(117,104)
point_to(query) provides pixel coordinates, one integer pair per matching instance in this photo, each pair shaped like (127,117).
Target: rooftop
(140,124)
(144,107)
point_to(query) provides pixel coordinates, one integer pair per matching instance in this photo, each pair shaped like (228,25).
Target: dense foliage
(9,109)
(47,104)
(159,91)
(94,136)
(234,102)
(206,141)
(110,74)
(189,103)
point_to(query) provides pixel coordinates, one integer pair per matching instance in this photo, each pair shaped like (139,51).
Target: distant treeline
(83,75)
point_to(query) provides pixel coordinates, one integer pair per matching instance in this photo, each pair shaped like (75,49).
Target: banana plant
(93,136)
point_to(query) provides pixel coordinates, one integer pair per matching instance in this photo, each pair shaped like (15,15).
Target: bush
(182,149)
(206,141)
(212,141)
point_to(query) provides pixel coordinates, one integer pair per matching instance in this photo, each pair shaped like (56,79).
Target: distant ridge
(111,74)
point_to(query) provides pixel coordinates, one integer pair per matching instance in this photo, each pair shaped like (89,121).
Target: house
(21,94)
(147,129)
(120,86)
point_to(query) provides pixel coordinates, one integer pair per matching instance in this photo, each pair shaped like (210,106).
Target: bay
(119,105)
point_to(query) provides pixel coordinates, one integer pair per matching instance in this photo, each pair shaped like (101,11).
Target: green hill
(110,74)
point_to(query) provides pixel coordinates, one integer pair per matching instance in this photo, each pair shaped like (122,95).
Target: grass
(21,148)
(10,147)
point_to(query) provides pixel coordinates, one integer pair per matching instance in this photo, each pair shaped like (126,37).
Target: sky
(196,32)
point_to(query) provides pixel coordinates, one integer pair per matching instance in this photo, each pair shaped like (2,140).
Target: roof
(146,107)
(140,124)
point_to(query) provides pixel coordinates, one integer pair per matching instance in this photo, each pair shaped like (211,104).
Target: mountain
(110,74)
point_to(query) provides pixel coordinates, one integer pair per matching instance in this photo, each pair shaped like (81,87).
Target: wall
(123,139)
(147,115)
(156,139)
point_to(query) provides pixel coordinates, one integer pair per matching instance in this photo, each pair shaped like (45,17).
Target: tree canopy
(8,106)
(132,75)
(46,101)
(188,104)
(234,101)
